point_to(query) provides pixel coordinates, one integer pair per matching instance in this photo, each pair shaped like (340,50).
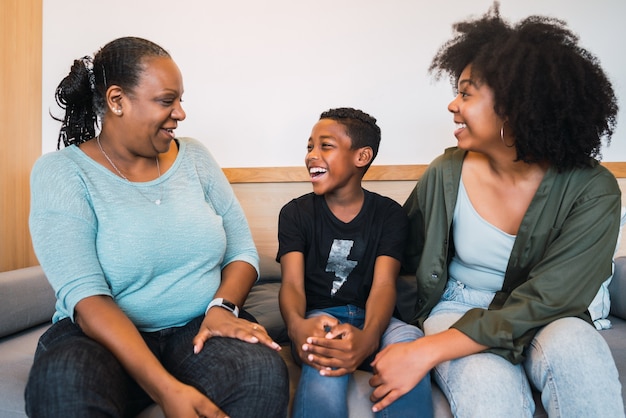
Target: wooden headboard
(375,172)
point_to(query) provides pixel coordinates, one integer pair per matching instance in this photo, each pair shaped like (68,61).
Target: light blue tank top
(482,250)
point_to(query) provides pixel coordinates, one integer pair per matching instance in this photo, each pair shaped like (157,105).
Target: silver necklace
(156,202)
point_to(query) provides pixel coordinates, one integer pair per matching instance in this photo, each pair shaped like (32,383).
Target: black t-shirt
(339,257)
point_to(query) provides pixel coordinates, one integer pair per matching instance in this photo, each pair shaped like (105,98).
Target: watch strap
(225,304)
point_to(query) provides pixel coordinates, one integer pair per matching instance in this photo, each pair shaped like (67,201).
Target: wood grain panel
(20,118)
(617,168)
(380,172)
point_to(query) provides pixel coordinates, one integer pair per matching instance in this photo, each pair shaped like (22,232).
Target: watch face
(228,305)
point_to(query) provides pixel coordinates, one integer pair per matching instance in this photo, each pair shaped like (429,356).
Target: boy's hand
(311,327)
(341,350)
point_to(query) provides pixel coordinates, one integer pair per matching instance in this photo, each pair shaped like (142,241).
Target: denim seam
(441,382)
(549,380)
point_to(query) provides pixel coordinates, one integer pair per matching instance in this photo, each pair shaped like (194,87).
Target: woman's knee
(568,344)
(565,336)
(485,384)
(74,376)
(572,365)
(227,365)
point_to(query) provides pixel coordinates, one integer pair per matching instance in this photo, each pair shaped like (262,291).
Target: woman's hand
(341,350)
(183,401)
(219,322)
(398,368)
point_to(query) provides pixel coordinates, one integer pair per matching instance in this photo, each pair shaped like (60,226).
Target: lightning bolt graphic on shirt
(339,264)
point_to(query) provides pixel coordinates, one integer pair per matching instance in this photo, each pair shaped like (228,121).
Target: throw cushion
(601,305)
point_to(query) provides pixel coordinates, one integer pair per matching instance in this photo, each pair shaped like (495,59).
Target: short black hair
(552,92)
(360,127)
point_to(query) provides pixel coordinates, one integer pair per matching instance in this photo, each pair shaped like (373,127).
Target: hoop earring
(502,137)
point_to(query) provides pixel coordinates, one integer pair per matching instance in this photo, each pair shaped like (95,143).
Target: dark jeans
(74,376)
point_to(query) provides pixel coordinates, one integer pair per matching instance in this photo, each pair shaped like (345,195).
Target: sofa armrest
(26,299)
(617,288)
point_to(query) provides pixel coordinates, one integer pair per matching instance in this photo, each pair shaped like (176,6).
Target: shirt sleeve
(63,229)
(291,235)
(220,195)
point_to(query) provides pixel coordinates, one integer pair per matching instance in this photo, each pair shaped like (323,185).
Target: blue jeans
(324,396)
(74,376)
(568,361)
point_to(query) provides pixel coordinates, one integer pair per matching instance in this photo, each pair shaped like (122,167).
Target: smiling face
(152,110)
(330,158)
(473,109)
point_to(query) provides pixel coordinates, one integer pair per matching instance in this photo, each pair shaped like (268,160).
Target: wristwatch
(223,303)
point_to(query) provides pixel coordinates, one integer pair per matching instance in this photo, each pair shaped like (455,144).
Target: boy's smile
(316,172)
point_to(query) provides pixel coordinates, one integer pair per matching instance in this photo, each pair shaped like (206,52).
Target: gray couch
(27,304)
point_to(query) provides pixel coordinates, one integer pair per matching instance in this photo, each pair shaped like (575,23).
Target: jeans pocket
(451,291)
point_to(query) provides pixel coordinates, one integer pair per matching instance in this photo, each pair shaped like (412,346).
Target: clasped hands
(336,349)
(331,347)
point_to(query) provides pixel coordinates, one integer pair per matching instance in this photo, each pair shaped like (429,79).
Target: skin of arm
(399,367)
(345,347)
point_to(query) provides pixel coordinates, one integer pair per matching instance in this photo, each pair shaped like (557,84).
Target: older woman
(149,254)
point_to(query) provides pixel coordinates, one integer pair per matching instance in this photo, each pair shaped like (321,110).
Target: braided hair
(553,93)
(82,92)
(360,127)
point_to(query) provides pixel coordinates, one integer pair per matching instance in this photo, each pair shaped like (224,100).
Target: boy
(340,250)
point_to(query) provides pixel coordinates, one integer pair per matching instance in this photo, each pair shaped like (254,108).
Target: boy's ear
(364,156)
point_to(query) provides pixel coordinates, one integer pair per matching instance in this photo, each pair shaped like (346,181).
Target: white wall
(257,74)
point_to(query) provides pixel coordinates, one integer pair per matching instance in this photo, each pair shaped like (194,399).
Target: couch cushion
(26,299)
(16,358)
(262,303)
(617,288)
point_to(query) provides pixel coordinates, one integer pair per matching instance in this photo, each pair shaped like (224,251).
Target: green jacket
(561,255)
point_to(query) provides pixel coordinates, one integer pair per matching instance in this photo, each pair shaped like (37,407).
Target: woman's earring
(502,137)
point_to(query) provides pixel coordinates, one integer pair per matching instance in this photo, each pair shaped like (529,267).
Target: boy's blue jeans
(74,376)
(324,396)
